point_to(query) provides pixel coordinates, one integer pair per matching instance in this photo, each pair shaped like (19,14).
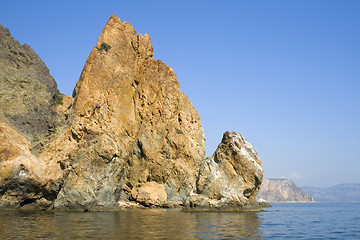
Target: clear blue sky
(285,74)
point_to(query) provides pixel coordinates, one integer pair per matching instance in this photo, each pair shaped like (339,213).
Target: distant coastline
(277,190)
(340,193)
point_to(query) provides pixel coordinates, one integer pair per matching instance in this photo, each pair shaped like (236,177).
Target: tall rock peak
(119,51)
(132,119)
(134,139)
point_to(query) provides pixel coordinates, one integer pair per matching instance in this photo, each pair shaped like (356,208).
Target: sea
(282,221)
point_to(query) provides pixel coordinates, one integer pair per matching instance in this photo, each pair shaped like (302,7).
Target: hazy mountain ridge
(346,192)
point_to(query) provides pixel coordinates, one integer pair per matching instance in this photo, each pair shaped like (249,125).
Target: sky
(284,74)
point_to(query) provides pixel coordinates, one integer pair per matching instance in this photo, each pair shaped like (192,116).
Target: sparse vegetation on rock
(104,46)
(59,99)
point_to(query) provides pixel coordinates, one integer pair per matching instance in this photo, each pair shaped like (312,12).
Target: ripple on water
(283,221)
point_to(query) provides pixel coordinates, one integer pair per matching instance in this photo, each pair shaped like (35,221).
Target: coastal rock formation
(230,178)
(28,120)
(27,93)
(150,194)
(23,178)
(128,137)
(282,190)
(133,126)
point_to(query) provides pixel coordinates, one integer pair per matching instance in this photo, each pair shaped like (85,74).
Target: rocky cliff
(282,190)
(28,93)
(131,138)
(133,126)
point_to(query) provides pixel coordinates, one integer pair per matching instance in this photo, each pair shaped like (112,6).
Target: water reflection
(129,224)
(228,225)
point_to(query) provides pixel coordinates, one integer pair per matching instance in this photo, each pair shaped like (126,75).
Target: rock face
(27,93)
(133,125)
(282,190)
(23,178)
(133,138)
(28,121)
(230,178)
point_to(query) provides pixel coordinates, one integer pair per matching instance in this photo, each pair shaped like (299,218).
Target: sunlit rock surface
(231,178)
(133,126)
(128,138)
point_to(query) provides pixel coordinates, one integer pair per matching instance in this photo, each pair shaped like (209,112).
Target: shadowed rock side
(28,120)
(27,93)
(134,140)
(231,178)
(282,190)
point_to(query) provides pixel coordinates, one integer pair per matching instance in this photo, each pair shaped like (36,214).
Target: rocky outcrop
(133,139)
(231,178)
(27,93)
(282,190)
(24,179)
(28,120)
(150,194)
(133,126)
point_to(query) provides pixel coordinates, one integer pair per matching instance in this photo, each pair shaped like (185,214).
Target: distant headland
(276,190)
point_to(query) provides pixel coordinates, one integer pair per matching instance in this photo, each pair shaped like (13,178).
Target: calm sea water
(282,221)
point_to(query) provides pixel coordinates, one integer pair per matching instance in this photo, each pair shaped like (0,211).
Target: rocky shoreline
(128,137)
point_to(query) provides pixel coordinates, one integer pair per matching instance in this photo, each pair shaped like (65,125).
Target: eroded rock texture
(24,179)
(27,93)
(230,178)
(133,125)
(129,137)
(28,121)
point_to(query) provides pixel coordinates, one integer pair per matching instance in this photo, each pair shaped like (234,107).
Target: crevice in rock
(257,182)
(140,146)
(248,192)
(27,201)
